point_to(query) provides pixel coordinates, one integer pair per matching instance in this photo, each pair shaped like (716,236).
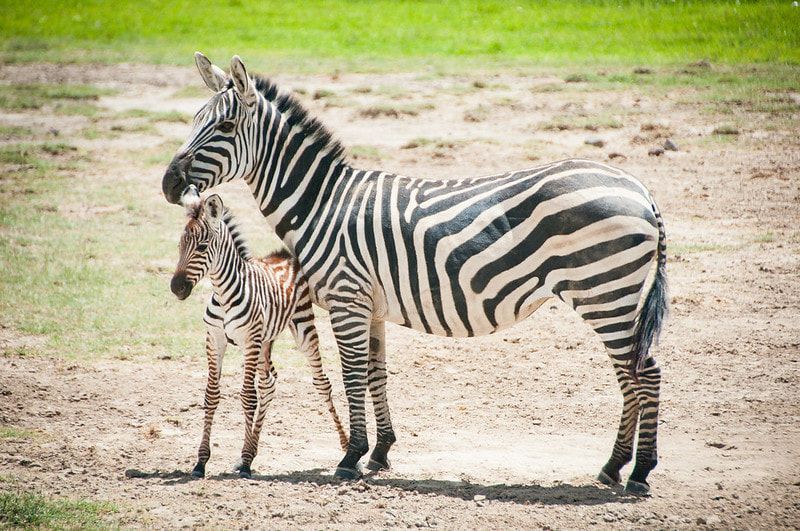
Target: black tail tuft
(654,310)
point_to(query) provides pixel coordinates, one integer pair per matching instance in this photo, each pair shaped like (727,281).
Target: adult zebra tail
(654,310)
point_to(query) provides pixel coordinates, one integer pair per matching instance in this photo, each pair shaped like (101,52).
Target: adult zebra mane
(297,115)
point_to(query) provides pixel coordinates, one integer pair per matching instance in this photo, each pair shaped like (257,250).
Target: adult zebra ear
(212,210)
(242,82)
(213,76)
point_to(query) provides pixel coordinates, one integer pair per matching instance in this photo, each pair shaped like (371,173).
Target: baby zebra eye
(226,127)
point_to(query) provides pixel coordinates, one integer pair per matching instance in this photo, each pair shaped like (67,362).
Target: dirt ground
(506,431)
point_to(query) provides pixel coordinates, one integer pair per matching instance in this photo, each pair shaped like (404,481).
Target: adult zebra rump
(459,257)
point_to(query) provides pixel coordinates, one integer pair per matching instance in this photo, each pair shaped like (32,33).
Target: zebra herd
(458,257)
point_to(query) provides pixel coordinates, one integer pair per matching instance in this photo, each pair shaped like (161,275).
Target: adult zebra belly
(485,266)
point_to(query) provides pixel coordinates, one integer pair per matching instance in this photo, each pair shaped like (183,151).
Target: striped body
(254,300)
(458,257)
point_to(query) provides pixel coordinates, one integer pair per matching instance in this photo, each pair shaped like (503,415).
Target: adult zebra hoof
(244,472)
(199,471)
(605,479)
(375,465)
(638,488)
(347,473)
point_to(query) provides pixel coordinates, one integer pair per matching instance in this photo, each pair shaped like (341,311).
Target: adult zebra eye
(226,127)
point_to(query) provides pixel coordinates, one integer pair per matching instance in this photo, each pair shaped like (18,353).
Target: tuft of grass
(14,432)
(439,143)
(323,93)
(576,78)
(680,249)
(33,156)
(766,237)
(392,111)
(191,91)
(587,123)
(477,114)
(365,152)
(35,96)
(32,510)
(157,116)
(726,130)
(12,132)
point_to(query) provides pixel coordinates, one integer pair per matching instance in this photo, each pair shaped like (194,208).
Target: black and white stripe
(458,258)
(253,301)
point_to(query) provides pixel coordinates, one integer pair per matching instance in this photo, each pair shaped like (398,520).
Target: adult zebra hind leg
(376,380)
(351,327)
(627,331)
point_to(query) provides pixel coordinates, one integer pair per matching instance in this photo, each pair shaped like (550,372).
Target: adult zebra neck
(298,174)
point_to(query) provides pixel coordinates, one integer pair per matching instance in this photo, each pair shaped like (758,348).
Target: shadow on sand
(557,494)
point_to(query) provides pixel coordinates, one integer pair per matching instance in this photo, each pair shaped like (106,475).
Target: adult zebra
(459,257)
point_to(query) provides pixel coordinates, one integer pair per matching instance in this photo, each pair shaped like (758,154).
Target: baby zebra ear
(212,209)
(212,75)
(244,85)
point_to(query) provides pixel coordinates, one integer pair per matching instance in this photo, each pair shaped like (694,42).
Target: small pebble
(479,497)
(656,152)
(669,145)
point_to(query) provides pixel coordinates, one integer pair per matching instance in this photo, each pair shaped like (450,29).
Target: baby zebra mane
(236,233)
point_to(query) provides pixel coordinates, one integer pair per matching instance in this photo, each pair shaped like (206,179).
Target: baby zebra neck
(229,263)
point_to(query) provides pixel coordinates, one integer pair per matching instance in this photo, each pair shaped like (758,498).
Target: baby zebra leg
(305,334)
(249,398)
(215,350)
(266,391)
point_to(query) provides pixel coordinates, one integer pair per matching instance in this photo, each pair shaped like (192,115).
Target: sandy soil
(494,432)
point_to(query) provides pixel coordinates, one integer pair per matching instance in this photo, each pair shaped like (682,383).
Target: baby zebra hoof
(605,479)
(376,465)
(347,473)
(638,488)
(199,471)
(244,472)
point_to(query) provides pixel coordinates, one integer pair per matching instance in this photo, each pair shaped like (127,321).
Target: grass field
(385,35)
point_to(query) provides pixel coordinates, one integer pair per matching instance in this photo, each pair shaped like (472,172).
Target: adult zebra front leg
(376,378)
(351,327)
(216,344)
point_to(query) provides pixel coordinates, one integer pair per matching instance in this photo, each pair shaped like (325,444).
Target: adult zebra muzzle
(174,182)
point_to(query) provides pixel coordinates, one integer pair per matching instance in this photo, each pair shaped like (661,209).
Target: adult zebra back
(453,257)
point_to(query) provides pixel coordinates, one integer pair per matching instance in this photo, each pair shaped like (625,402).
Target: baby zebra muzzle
(254,300)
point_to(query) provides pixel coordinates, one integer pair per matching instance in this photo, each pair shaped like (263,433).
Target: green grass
(387,34)
(86,270)
(35,96)
(30,510)
(13,432)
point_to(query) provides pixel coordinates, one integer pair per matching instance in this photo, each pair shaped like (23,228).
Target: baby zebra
(253,301)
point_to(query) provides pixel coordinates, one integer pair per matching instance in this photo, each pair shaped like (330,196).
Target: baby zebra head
(197,246)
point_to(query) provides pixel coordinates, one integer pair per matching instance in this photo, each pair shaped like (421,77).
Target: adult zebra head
(215,151)
(243,129)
